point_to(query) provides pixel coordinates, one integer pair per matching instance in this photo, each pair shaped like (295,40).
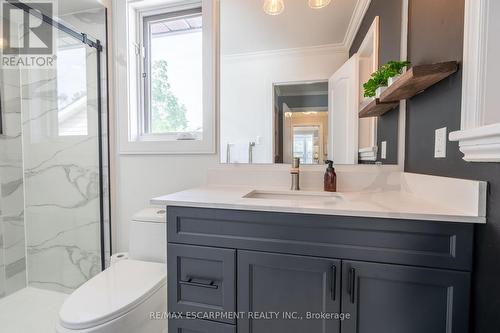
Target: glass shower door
(12,231)
(62,167)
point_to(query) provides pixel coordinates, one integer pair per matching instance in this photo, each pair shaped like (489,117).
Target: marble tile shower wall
(61,185)
(12,224)
(49,202)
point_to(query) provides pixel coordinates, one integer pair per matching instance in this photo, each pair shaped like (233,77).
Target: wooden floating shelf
(417,79)
(376,108)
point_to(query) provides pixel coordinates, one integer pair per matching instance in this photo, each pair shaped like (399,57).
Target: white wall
(246,98)
(142,177)
(138,178)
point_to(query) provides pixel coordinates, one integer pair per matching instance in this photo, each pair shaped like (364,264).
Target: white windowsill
(480,144)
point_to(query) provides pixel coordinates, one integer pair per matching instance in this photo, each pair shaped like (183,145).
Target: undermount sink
(294,195)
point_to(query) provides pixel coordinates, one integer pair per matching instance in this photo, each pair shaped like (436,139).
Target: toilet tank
(148,235)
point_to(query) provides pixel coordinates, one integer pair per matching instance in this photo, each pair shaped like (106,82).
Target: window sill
(170,147)
(171,137)
(480,144)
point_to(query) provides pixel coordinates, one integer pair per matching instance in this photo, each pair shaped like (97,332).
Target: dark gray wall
(303,101)
(436,34)
(389,12)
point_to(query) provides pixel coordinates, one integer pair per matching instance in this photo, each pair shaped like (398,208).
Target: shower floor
(30,310)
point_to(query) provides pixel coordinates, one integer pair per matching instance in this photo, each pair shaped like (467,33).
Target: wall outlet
(440,143)
(383,151)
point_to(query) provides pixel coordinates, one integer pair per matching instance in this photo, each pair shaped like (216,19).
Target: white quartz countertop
(395,204)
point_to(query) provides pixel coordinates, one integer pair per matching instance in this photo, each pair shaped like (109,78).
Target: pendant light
(317,4)
(274,7)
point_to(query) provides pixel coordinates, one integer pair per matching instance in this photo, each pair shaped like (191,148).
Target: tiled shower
(54,220)
(12,223)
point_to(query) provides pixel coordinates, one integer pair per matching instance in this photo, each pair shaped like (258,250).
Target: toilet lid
(112,293)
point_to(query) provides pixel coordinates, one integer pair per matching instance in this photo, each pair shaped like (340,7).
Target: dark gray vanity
(389,275)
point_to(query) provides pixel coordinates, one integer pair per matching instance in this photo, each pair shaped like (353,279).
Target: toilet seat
(112,293)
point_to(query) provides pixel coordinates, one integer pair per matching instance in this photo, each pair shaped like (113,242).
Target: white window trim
(128,90)
(479,142)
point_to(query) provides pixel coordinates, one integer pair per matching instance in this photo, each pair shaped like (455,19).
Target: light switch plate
(440,143)
(383,152)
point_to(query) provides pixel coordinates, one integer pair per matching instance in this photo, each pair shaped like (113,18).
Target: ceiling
(246,28)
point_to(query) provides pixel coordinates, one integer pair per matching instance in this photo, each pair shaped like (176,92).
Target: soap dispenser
(330,177)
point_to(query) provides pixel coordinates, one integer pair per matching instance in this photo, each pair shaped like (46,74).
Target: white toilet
(121,299)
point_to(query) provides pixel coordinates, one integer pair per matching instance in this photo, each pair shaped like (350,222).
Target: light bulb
(274,7)
(317,4)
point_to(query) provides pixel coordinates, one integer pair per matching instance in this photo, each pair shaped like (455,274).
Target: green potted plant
(397,68)
(379,80)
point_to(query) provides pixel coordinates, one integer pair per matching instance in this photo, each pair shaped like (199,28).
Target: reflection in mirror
(368,59)
(295,90)
(259,52)
(378,41)
(301,122)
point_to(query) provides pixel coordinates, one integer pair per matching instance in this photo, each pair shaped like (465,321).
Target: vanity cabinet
(384,275)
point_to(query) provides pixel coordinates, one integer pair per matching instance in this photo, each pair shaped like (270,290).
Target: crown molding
(355,23)
(326,49)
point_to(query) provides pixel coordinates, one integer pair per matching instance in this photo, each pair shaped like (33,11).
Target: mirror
(301,122)
(291,87)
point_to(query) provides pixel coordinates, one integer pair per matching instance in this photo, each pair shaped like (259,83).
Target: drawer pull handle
(333,282)
(197,282)
(352,284)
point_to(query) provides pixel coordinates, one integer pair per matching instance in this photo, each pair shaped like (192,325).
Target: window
(166,89)
(173,75)
(72,91)
(305,144)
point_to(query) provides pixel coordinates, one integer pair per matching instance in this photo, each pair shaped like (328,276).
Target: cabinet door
(401,299)
(290,286)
